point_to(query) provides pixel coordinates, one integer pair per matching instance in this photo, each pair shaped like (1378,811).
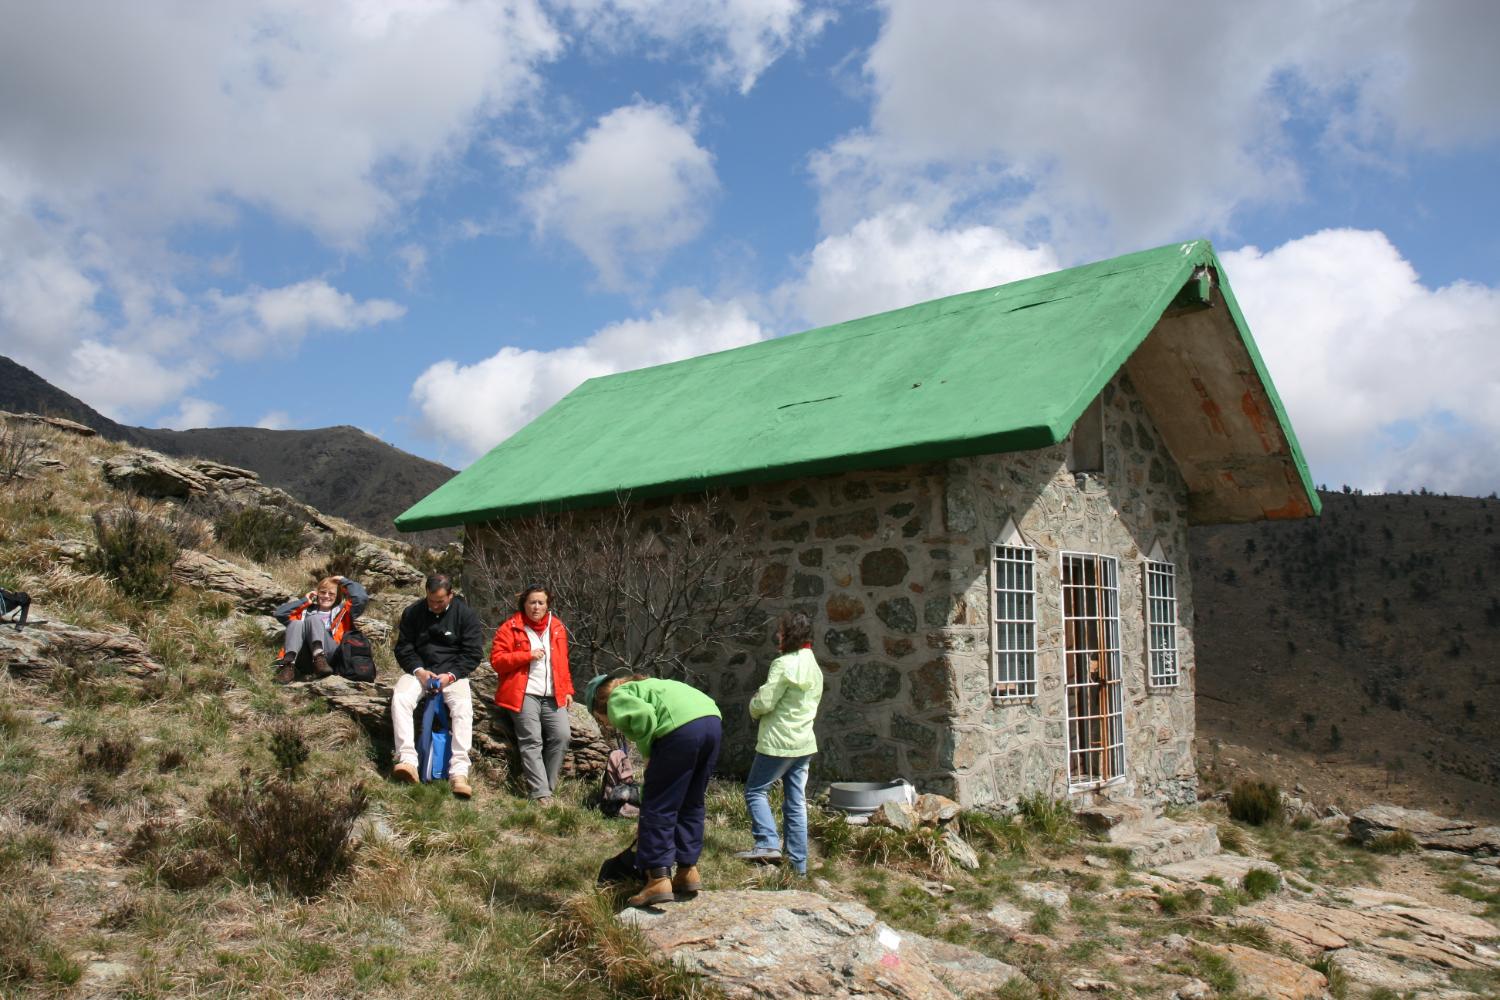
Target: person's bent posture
(315,625)
(439,638)
(530,655)
(786,705)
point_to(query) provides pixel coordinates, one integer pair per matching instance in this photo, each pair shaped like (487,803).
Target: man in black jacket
(439,638)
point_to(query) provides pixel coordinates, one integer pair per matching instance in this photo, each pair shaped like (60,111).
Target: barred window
(1161,623)
(1013,623)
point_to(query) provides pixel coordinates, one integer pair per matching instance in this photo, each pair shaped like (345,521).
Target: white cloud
(120,383)
(477,406)
(413,258)
(288,313)
(1121,125)
(328,115)
(1388,383)
(736,39)
(193,412)
(275,420)
(898,258)
(634,188)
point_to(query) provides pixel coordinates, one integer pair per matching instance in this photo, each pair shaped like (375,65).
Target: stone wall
(999,751)
(893,568)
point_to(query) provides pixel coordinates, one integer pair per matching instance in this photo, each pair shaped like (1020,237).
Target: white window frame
(1012,623)
(1163,668)
(1109,637)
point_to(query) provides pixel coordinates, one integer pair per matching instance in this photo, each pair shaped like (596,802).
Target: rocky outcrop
(56,423)
(791,945)
(370,705)
(375,561)
(153,475)
(1273,976)
(36,650)
(252,590)
(1430,830)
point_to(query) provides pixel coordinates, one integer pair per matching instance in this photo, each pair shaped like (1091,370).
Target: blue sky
(432,219)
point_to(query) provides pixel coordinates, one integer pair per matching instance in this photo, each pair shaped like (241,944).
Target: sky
(431,220)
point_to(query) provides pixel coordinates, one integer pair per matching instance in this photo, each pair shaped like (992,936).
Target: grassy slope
(1359,649)
(488,898)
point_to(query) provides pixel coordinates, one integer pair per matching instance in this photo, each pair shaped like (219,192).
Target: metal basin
(860,798)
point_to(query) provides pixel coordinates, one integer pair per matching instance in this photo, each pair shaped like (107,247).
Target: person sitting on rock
(439,637)
(678,731)
(315,625)
(786,705)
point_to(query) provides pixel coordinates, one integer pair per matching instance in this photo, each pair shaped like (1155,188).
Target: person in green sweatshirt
(786,705)
(678,731)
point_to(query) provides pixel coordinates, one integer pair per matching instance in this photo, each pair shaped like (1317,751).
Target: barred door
(1091,669)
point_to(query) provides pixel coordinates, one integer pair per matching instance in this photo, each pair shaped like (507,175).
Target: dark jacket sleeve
(470,643)
(283,614)
(359,598)
(407,656)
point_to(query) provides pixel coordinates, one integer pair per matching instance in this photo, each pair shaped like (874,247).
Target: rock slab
(1430,830)
(37,649)
(791,945)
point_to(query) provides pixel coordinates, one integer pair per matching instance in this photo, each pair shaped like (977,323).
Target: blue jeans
(792,772)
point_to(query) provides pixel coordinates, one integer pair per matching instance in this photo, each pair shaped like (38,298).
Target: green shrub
(1051,820)
(1395,842)
(108,755)
(343,558)
(262,533)
(1255,802)
(296,838)
(1259,883)
(289,748)
(136,551)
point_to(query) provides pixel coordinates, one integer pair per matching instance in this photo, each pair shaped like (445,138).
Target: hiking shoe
(687,882)
(658,889)
(543,800)
(320,665)
(406,774)
(286,670)
(760,855)
(460,785)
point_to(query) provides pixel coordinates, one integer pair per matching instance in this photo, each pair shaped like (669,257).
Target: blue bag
(434,738)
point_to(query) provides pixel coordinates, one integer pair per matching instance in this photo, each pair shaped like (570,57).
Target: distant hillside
(1363,646)
(341,470)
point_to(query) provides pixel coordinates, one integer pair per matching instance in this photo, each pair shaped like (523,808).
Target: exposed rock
(1384,921)
(153,475)
(959,850)
(1165,842)
(814,947)
(1273,976)
(1429,829)
(1193,989)
(1231,868)
(370,705)
(219,471)
(1041,892)
(1008,916)
(1103,816)
(57,423)
(1372,970)
(67,550)
(36,650)
(373,560)
(934,809)
(251,589)
(1090,985)
(896,815)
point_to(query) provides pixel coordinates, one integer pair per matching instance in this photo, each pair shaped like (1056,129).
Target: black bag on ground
(620,868)
(356,660)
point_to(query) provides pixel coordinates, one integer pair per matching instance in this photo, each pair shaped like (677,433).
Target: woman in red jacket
(530,656)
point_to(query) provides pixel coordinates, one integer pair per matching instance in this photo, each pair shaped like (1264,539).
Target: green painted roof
(1001,369)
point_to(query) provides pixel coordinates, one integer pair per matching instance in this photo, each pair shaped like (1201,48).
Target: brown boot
(686,883)
(286,670)
(320,665)
(405,774)
(658,889)
(460,785)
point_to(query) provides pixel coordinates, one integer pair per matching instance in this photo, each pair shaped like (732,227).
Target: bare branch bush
(19,444)
(655,590)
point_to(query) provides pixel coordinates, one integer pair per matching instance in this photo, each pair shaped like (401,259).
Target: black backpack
(619,794)
(17,603)
(623,867)
(356,659)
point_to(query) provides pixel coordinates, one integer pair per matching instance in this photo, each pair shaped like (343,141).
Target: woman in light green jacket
(786,706)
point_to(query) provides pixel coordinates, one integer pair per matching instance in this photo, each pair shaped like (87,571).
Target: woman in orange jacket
(530,656)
